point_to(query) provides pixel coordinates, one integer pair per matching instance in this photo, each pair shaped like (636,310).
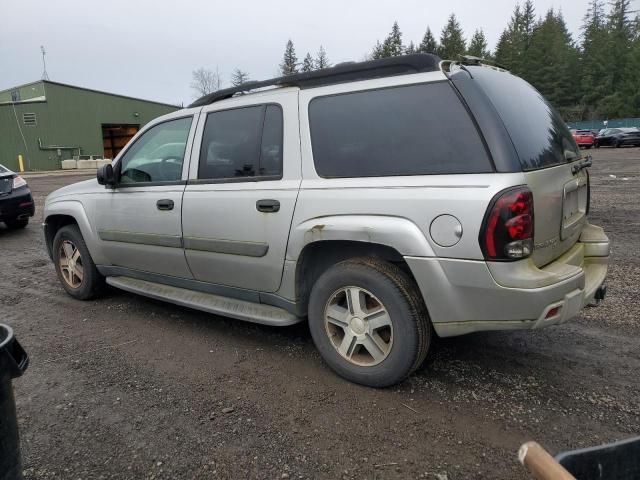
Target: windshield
(539,135)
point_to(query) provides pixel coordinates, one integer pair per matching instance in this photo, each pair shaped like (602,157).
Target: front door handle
(164,204)
(268,206)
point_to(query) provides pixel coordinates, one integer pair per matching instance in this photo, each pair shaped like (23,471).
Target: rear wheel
(75,268)
(617,145)
(368,320)
(16,223)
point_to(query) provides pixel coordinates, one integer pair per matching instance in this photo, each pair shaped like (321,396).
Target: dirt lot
(126,387)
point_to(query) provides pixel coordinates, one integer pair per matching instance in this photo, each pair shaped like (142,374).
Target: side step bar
(207,302)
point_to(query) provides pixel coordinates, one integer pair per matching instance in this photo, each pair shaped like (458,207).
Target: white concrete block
(82,164)
(69,164)
(102,161)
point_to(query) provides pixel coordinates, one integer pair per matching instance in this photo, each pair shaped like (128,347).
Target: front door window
(157,155)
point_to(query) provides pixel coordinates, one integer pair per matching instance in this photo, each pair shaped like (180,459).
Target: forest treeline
(593,76)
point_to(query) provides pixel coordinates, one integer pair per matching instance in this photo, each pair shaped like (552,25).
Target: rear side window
(540,136)
(242,143)
(410,130)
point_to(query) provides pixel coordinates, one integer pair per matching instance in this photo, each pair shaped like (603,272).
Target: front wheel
(75,268)
(369,322)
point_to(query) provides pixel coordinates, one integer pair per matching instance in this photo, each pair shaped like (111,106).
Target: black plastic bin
(13,363)
(615,461)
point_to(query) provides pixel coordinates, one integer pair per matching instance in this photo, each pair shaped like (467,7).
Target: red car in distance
(584,138)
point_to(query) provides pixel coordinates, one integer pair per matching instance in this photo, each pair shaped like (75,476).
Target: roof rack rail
(343,72)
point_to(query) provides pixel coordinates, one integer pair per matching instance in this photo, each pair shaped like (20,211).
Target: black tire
(401,298)
(16,223)
(92,282)
(588,147)
(617,145)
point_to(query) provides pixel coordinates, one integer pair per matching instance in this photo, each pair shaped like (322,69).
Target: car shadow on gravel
(13,233)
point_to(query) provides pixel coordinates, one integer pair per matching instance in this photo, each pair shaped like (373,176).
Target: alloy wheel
(70,262)
(359,326)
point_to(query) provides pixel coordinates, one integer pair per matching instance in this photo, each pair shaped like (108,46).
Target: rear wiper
(587,162)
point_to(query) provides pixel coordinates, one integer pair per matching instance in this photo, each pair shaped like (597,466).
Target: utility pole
(45,75)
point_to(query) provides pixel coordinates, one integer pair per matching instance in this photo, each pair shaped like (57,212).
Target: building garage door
(115,137)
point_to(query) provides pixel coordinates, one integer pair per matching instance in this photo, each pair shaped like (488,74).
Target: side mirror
(106,176)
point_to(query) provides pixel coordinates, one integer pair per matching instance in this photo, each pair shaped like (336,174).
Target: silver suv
(383,201)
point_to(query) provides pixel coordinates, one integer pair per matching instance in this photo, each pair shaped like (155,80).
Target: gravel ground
(127,387)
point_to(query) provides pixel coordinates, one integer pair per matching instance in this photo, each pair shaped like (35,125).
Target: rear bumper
(465,296)
(17,204)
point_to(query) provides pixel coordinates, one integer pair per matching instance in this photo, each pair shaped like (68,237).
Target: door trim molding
(174,241)
(232,247)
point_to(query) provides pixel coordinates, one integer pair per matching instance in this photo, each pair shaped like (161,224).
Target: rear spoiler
(470,60)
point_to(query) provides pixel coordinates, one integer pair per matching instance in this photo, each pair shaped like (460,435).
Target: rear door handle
(268,206)
(164,204)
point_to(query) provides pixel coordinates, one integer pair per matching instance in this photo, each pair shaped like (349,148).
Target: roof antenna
(45,75)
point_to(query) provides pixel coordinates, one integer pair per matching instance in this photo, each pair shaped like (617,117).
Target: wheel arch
(316,244)
(318,256)
(69,212)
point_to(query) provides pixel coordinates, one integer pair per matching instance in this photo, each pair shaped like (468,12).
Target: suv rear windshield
(537,131)
(409,130)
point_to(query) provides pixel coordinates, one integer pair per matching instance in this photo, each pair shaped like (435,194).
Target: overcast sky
(148,49)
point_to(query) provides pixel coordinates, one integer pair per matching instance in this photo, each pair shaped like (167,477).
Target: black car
(617,137)
(16,202)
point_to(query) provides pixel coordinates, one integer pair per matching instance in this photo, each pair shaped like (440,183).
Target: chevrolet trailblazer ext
(382,201)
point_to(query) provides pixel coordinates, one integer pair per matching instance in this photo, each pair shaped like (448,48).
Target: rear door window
(540,136)
(409,130)
(242,143)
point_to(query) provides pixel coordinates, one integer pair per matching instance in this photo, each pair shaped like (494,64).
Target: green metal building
(47,122)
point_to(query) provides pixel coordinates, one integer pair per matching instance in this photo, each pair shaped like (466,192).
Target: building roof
(66,85)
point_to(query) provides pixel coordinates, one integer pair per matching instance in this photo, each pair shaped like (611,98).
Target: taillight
(19,182)
(507,230)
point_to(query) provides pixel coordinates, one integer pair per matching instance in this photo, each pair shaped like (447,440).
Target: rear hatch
(550,160)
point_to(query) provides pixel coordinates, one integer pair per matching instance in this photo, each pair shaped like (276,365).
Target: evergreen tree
(322,61)
(410,49)
(511,50)
(552,62)
(593,58)
(478,45)
(527,22)
(617,55)
(307,63)
(392,45)
(621,34)
(429,43)
(376,53)
(289,63)
(238,77)
(631,88)
(452,43)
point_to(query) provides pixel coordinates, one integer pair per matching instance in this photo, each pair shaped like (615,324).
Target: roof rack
(344,72)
